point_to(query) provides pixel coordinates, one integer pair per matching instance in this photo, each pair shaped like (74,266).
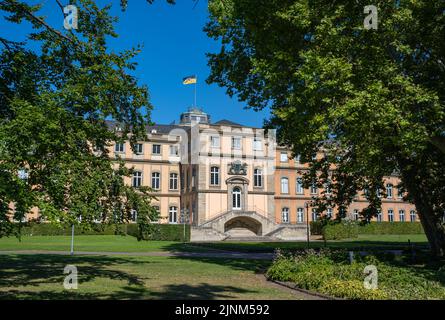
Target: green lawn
(90,243)
(130,244)
(112,277)
(362,242)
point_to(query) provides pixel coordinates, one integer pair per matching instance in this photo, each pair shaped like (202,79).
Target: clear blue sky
(174,47)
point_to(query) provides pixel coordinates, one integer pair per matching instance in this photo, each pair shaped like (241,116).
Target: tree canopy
(55,104)
(373,101)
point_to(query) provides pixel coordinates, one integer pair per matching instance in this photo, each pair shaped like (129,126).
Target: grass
(362,242)
(130,244)
(91,243)
(112,277)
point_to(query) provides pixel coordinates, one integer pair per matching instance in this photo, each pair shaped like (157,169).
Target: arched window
(173,214)
(173,183)
(329,212)
(390,215)
(284,185)
(137,179)
(300,215)
(257,178)
(355,214)
(389,190)
(379,216)
(402,215)
(412,216)
(214,176)
(156,180)
(285,215)
(314,214)
(299,186)
(314,189)
(236,198)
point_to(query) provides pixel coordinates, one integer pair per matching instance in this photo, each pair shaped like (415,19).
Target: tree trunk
(433,227)
(424,184)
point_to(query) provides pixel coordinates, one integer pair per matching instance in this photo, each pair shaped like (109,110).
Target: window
(283,157)
(173,183)
(137,179)
(173,215)
(156,149)
(285,215)
(138,148)
(236,198)
(23,174)
(156,180)
(134,215)
(193,177)
(402,215)
(174,150)
(314,214)
(412,216)
(355,214)
(327,188)
(119,147)
(214,142)
(389,191)
(214,176)
(314,157)
(314,189)
(236,143)
(329,213)
(300,215)
(297,158)
(379,216)
(390,215)
(299,186)
(257,178)
(257,145)
(399,193)
(379,192)
(284,185)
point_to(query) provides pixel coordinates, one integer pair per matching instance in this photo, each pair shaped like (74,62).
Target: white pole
(195,89)
(72,239)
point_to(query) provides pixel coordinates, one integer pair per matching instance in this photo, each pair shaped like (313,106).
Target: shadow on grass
(41,277)
(262,247)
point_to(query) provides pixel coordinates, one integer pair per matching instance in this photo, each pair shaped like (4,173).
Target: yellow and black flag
(189,80)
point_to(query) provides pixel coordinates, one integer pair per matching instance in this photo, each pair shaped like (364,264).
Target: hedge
(161,232)
(351,229)
(342,230)
(391,228)
(158,232)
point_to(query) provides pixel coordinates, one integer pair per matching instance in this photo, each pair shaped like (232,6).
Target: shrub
(329,272)
(340,230)
(391,228)
(160,232)
(317,227)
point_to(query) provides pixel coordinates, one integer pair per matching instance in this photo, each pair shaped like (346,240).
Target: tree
(55,103)
(371,100)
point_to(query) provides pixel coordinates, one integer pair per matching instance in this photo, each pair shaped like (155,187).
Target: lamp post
(306,205)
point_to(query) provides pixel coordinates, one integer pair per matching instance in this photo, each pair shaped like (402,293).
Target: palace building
(229,181)
(232,181)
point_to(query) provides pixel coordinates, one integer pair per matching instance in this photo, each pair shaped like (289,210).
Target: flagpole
(195,89)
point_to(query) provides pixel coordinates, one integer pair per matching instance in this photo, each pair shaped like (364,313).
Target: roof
(225,122)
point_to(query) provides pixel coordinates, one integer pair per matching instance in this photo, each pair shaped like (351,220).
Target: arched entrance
(243,226)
